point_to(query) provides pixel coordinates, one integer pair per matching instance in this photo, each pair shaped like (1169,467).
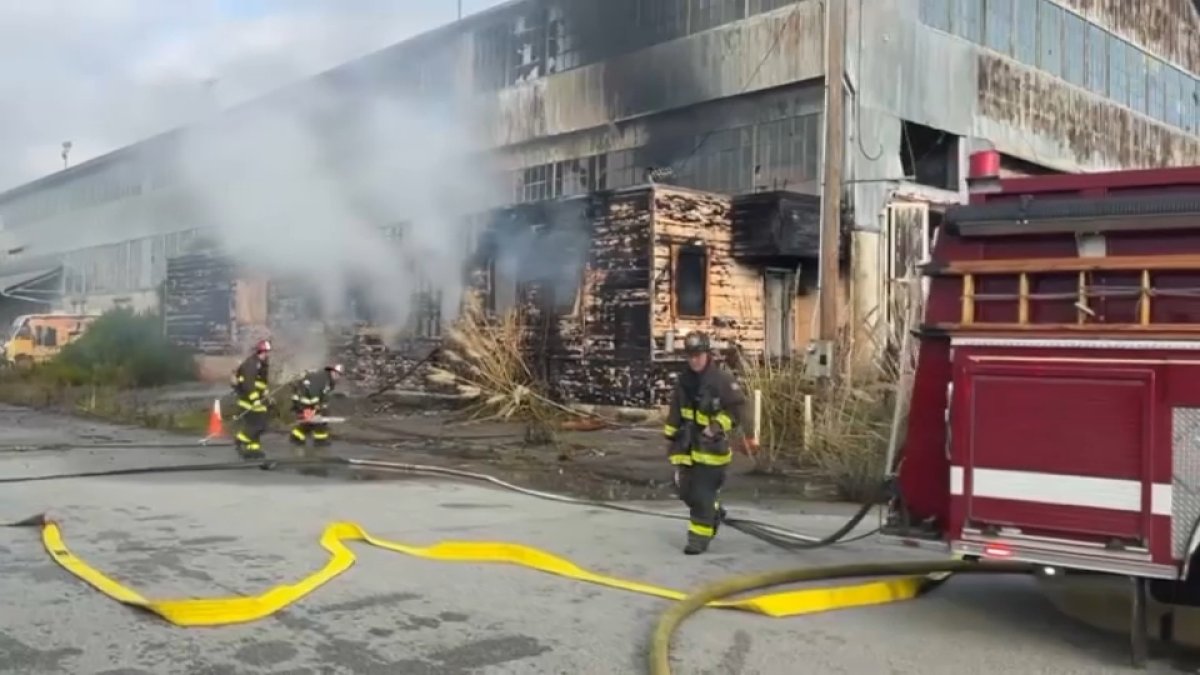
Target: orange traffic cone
(215,428)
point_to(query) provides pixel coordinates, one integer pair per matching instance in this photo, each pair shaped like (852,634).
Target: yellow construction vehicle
(35,338)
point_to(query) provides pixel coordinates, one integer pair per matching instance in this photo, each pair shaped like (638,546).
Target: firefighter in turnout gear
(311,398)
(250,385)
(706,407)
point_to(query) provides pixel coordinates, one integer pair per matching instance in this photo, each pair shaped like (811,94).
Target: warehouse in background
(583,99)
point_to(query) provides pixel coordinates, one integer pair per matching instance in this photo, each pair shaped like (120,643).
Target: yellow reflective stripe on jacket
(724,420)
(712,458)
(687,413)
(259,384)
(670,430)
(702,419)
(253,396)
(681,460)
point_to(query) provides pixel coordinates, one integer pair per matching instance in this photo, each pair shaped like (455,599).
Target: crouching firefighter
(250,383)
(706,407)
(310,399)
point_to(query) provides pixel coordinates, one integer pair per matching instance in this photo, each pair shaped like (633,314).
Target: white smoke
(301,189)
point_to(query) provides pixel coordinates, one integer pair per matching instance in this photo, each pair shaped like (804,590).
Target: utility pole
(832,170)
(66,153)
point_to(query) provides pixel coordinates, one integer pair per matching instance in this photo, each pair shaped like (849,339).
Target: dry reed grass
(857,414)
(483,358)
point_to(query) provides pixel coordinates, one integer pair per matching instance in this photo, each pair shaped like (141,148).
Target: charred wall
(607,342)
(1096,132)
(666,75)
(199,303)
(683,220)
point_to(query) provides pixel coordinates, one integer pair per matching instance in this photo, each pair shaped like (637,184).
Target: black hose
(757,530)
(771,534)
(267,465)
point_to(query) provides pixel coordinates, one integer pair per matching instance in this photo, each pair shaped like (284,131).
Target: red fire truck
(1055,410)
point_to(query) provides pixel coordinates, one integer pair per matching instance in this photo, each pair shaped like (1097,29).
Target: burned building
(606,285)
(581,101)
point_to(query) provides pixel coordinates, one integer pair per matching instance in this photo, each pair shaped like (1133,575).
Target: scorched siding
(734,292)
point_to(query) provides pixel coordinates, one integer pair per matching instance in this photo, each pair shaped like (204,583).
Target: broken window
(562,46)
(529,46)
(929,156)
(691,281)
(574,177)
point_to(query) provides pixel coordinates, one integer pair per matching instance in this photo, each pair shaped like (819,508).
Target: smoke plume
(313,187)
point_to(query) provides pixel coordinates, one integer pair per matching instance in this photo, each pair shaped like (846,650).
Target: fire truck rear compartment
(1056,451)
(1067,460)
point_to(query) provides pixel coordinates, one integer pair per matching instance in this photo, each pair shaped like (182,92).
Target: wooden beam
(833,168)
(1023,300)
(1144,305)
(1183,262)
(968,300)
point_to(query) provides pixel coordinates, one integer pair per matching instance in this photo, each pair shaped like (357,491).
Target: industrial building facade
(582,97)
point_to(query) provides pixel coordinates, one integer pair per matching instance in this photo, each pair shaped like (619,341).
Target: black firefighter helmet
(696,342)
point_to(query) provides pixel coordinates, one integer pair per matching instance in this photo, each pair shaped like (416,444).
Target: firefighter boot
(241,443)
(696,544)
(253,452)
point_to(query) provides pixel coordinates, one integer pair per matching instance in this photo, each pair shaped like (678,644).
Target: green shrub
(123,349)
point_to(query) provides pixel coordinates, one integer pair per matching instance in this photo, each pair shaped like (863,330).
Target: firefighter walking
(706,407)
(250,383)
(310,399)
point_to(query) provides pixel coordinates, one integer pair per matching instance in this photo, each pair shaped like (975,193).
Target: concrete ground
(182,535)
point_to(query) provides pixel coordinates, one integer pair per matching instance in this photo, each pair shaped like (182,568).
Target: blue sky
(104,73)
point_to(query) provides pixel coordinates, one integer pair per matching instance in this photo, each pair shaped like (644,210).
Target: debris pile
(374,365)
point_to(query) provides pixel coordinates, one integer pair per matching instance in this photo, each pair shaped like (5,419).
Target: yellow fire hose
(246,608)
(899,580)
(932,572)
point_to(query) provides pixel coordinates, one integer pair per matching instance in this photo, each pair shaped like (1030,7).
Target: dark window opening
(691,281)
(929,156)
